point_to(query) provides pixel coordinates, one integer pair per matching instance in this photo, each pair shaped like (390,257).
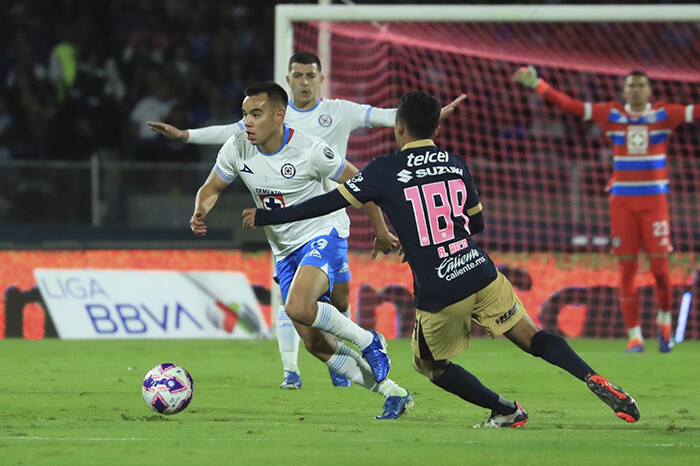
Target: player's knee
(290,307)
(430,369)
(543,340)
(420,367)
(299,311)
(660,270)
(342,303)
(628,271)
(662,280)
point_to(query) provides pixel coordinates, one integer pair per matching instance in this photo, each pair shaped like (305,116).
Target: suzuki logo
(404,176)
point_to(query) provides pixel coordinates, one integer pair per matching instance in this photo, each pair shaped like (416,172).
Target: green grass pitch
(79,402)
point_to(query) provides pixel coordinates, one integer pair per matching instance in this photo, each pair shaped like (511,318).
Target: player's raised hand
(527,76)
(385,243)
(449,108)
(249,218)
(169,131)
(197,224)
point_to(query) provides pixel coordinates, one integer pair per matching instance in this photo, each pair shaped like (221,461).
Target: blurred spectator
(7,128)
(155,105)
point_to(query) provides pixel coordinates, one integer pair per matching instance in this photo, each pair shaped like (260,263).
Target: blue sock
(555,350)
(465,385)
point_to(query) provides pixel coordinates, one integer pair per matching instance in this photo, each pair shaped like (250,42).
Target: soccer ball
(167,388)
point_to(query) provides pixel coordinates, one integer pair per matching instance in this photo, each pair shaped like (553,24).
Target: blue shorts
(328,252)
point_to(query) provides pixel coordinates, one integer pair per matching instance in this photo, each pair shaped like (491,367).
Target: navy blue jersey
(428,193)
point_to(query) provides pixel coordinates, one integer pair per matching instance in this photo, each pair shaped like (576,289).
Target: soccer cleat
(634,346)
(376,356)
(395,406)
(517,419)
(339,380)
(620,401)
(292,381)
(665,340)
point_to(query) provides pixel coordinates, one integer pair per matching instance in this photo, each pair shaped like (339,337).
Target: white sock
(330,319)
(663,317)
(350,364)
(287,341)
(635,333)
(346,312)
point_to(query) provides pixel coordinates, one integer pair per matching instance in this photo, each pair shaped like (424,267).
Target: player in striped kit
(639,132)
(281,166)
(331,120)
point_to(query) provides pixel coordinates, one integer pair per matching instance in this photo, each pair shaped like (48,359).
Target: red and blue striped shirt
(639,140)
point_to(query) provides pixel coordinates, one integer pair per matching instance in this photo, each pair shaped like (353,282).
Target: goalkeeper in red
(639,132)
(429,196)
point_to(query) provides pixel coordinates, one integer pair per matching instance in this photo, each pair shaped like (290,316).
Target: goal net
(541,172)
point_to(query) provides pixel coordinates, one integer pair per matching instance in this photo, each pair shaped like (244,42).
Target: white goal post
(285,15)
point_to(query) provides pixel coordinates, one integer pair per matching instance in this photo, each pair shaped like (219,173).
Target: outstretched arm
(527,76)
(386,117)
(318,206)
(384,241)
(210,135)
(311,208)
(169,131)
(449,108)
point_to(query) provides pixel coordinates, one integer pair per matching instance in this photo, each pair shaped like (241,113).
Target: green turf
(79,402)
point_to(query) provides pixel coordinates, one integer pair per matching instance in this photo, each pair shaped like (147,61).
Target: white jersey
(334,119)
(331,120)
(295,173)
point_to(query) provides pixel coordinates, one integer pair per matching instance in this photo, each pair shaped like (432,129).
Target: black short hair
(274,92)
(637,74)
(420,112)
(304,58)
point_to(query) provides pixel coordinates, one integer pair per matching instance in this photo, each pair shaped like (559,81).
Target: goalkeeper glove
(527,76)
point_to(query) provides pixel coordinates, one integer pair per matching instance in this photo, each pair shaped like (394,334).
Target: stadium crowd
(80,76)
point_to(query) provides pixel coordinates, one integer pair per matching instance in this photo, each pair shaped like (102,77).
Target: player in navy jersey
(430,198)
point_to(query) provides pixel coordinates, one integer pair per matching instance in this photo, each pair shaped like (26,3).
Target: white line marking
(254,439)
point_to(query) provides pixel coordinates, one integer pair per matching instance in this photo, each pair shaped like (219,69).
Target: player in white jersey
(280,167)
(329,119)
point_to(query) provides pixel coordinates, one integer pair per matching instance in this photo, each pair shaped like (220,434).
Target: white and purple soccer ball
(167,388)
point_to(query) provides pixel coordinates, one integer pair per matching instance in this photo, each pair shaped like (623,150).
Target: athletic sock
(348,363)
(629,299)
(330,319)
(287,341)
(663,317)
(555,350)
(663,322)
(458,381)
(635,333)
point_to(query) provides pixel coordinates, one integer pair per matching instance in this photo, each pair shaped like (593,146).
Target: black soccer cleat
(620,401)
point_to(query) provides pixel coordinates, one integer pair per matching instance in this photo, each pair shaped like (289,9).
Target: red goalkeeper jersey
(639,140)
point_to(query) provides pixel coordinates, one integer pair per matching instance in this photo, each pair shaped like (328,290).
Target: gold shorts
(444,334)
